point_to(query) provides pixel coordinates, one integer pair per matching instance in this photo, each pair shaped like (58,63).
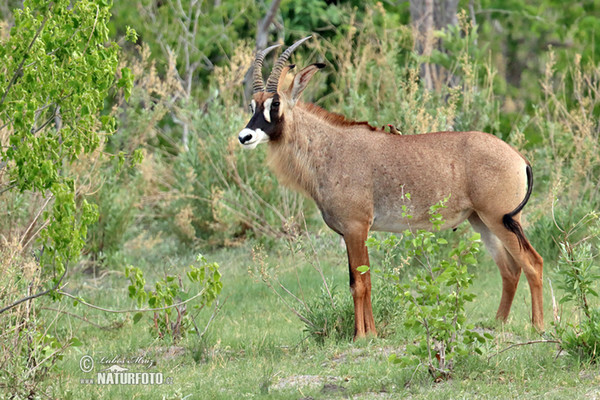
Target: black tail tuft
(517,229)
(514,226)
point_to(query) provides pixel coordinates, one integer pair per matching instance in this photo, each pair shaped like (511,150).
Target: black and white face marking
(267,110)
(265,125)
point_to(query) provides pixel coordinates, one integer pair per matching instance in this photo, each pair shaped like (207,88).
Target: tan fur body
(359,177)
(370,171)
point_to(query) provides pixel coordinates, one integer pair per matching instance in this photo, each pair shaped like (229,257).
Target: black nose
(245,138)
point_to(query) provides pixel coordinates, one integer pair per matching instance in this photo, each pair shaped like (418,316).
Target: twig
(131,310)
(212,317)
(413,375)
(44,225)
(33,222)
(6,189)
(20,67)
(554,306)
(432,369)
(301,301)
(555,200)
(302,318)
(524,344)
(38,365)
(45,124)
(35,295)
(558,353)
(78,317)
(92,32)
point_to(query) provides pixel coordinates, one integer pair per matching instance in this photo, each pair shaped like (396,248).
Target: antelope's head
(270,103)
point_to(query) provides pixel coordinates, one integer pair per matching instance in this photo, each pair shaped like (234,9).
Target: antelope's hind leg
(511,259)
(509,270)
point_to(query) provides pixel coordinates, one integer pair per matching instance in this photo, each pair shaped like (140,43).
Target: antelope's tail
(514,226)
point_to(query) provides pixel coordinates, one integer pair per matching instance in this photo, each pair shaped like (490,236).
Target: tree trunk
(262,39)
(428,16)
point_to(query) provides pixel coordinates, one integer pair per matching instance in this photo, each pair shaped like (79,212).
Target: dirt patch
(307,381)
(374,395)
(593,394)
(359,355)
(331,388)
(499,336)
(164,353)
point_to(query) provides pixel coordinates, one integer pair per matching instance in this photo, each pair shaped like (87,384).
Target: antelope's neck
(293,159)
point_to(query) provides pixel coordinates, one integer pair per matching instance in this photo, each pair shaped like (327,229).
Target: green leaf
(126,82)
(137,317)
(131,35)
(362,269)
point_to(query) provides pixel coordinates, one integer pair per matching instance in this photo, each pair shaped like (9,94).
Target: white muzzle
(249,138)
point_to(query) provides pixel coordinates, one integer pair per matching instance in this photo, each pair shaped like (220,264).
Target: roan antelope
(357,175)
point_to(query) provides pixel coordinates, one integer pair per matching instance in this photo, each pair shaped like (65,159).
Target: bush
(28,352)
(174,319)
(436,298)
(578,275)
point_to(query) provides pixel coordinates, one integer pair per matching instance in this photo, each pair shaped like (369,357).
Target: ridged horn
(273,80)
(258,84)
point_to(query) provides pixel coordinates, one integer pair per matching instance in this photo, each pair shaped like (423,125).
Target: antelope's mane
(333,118)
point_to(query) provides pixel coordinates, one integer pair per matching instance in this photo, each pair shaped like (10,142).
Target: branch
(92,32)
(132,310)
(78,317)
(45,124)
(39,364)
(33,222)
(20,68)
(302,318)
(35,295)
(262,33)
(6,189)
(216,310)
(523,344)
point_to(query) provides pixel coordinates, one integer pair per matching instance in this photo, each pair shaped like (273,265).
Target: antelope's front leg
(360,284)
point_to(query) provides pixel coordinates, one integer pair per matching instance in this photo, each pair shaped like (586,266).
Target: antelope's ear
(284,73)
(301,80)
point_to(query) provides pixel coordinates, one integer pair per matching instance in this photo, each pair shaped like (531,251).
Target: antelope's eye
(275,104)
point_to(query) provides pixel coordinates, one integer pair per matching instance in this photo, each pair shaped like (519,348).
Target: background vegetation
(89,87)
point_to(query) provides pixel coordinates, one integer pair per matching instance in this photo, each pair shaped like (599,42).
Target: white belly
(395,222)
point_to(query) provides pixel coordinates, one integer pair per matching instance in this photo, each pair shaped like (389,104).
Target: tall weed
(28,351)
(376,77)
(567,121)
(578,274)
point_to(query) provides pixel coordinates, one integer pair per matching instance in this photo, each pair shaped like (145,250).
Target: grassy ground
(257,348)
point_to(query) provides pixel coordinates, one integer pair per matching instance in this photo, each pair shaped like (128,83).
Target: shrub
(28,352)
(436,298)
(579,273)
(58,66)
(174,319)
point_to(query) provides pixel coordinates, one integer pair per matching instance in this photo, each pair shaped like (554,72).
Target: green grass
(257,348)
